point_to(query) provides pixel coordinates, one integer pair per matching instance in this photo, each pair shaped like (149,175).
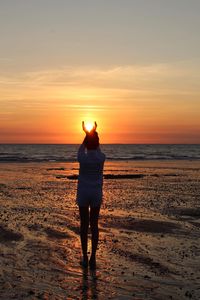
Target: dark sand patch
(166,175)
(171,174)
(123,176)
(23,188)
(67,222)
(35,227)
(51,232)
(61,176)
(186,212)
(73,177)
(195,224)
(7,235)
(3,185)
(110,176)
(71,227)
(31,209)
(144,260)
(54,233)
(143,225)
(75,229)
(56,169)
(154,226)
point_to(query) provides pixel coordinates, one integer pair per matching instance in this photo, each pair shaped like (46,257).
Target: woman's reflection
(89,284)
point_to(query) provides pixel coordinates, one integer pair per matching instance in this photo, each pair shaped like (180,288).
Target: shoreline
(108,160)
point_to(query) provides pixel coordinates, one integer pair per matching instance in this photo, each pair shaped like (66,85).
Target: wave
(40,160)
(68,153)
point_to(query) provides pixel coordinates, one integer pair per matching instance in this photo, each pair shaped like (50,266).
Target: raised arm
(95,126)
(83,126)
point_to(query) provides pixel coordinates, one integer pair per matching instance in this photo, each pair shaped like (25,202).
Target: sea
(113,152)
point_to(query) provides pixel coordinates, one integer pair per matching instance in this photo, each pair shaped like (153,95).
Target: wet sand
(149,244)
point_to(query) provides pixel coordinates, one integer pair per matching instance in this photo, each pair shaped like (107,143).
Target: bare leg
(84,218)
(94,217)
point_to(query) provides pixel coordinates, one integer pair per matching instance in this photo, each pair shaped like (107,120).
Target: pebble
(115,241)
(188,294)
(31,292)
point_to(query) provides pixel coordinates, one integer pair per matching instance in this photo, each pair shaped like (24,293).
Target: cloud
(134,95)
(121,85)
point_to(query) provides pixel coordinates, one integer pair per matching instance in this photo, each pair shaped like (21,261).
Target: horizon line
(101,144)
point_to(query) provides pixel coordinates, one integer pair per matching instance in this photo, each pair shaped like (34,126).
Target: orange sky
(130,104)
(136,74)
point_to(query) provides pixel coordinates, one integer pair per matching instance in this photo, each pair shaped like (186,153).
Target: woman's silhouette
(89,192)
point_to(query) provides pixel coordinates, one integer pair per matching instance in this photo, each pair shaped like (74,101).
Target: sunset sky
(131,65)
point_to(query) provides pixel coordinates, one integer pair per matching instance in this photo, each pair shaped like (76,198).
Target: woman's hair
(91,140)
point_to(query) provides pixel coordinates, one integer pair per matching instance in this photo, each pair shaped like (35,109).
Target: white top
(91,167)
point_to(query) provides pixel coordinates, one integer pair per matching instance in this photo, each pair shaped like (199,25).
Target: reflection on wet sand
(89,284)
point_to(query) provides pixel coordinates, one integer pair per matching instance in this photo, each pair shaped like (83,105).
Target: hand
(95,126)
(93,129)
(83,126)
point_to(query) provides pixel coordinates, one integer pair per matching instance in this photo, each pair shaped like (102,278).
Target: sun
(89,126)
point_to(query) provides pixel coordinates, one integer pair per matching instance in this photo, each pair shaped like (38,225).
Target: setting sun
(89,126)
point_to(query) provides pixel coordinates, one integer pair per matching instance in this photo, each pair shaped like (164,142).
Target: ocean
(114,152)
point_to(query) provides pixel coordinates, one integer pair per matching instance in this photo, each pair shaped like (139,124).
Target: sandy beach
(149,244)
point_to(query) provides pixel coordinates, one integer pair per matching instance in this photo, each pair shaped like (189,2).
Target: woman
(89,192)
